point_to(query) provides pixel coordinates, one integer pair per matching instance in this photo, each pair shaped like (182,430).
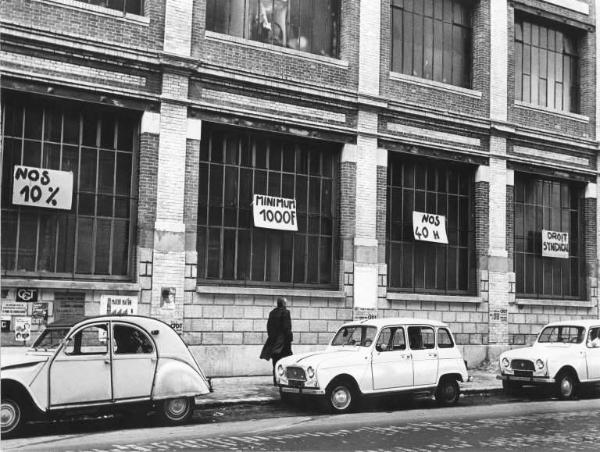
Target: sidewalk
(260,390)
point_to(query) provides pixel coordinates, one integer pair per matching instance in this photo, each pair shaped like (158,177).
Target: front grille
(523,373)
(295,373)
(522,364)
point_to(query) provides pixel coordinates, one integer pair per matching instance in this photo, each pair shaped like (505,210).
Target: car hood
(538,351)
(329,357)
(12,360)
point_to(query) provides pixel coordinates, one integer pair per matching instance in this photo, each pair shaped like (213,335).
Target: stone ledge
(233,290)
(554,303)
(71,284)
(435,85)
(400,296)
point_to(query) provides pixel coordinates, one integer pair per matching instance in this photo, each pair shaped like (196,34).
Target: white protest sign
(272,212)
(14,308)
(40,187)
(429,227)
(118,304)
(555,244)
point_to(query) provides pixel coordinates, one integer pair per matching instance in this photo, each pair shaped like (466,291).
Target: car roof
(381,322)
(586,323)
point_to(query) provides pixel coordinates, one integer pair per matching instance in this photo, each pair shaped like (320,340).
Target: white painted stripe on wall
(482,174)
(499,56)
(349,153)
(574,5)
(591,190)
(550,155)
(194,129)
(382,157)
(410,130)
(150,122)
(369,47)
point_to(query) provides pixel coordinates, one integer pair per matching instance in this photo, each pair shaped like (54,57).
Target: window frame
(421,328)
(108,5)
(437,338)
(134,328)
(72,339)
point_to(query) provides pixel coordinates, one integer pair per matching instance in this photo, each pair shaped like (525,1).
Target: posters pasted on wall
(22,328)
(39,313)
(118,305)
(5,323)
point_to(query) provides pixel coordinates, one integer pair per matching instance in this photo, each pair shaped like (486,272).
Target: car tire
(177,411)
(566,385)
(447,392)
(285,397)
(511,387)
(12,417)
(341,397)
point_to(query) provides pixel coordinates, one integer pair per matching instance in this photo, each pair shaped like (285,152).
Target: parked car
(565,354)
(377,356)
(101,364)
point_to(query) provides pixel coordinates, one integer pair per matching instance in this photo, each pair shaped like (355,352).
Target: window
(431,39)
(562,334)
(355,335)
(391,339)
(234,165)
(50,338)
(129,340)
(435,188)
(444,338)
(593,340)
(546,65)
(555,206)
(421,337)
(306,25)
(98,145)
(91,340)
(125,6)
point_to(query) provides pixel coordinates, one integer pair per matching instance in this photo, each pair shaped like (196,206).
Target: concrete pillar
(590,234)
(369,47)
(178,27)
(499,60)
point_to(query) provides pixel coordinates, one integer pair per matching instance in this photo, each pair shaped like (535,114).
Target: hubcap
(177,407)
(566,387)
(8,415)
(340,398)
(450,392)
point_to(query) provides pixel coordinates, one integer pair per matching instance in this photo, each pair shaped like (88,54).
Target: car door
(593,353)
(391,362)
(80,372)
(421,340)
(133,362)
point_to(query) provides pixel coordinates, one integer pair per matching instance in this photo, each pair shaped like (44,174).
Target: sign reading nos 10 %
(428,227)
(40,187)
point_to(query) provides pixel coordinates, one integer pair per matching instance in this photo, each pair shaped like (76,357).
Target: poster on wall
(272,212)
(41,187)
(22,328)
(118,305)
(555,244)
(13,308)
(429,227)
(27,294)
(5,323)
(167,298)
(39,313)
(177,325)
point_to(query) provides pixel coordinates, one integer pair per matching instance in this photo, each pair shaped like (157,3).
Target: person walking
(279,335)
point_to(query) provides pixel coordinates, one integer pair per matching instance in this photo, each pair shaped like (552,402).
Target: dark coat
(280,337)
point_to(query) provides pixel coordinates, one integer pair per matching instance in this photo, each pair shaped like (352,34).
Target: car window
(593,340)
(562,334)
(421,337)
(444,338)
(90,340)
(355,335)
(50,338)
(130,340)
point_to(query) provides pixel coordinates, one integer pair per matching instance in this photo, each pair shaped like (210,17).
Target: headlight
(539,364)
(310,372)
(505,362)
(280,370)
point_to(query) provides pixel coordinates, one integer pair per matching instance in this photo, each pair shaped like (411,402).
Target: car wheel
(285,397)
(511,387)
(447,392)
(341,397)
(177,411)
(11,417)
(566,385)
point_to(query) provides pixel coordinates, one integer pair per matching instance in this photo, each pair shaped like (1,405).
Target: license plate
(293,390)
(296,383)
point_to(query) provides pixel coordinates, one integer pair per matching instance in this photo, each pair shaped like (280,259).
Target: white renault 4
(378,356)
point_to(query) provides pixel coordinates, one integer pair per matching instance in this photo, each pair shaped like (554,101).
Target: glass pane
(47,243)
(87,181)
(120,247)
(103,230)
(9,239)
(106,172)
(85,245)
(33,122)
(66,243)
(123,173)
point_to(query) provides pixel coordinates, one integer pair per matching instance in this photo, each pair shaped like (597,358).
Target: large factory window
(92,238)
(235,166)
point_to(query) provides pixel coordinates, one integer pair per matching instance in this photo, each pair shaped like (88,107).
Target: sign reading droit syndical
(555,244)
(429,227)
(40,187)
(272,212)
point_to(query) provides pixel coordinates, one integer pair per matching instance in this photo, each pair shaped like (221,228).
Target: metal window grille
(555,206)
(442,189)
(306,25)
(234,165)
(95,238)
(431,39)
(546,63)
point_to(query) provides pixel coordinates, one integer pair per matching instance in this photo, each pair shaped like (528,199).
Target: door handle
(432,355)
(107,360)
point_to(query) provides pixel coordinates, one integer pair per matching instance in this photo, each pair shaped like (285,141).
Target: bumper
(298,390)
(532,380)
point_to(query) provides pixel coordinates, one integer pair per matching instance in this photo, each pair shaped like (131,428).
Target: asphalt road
(478,423)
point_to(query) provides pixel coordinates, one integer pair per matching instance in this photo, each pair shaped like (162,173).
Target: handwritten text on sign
(555,244)
(118,304)
(429,227)
(272,212)
(40,187)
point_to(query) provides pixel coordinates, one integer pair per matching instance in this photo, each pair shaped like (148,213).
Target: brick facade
(166,66)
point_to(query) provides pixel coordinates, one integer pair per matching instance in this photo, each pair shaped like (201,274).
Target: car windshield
(50,338)
(362,336)
(563,334)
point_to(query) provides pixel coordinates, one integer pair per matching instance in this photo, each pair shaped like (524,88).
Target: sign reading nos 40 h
(40,187)
(428,227)
(272,212)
